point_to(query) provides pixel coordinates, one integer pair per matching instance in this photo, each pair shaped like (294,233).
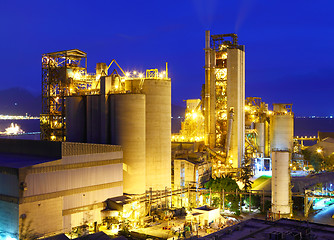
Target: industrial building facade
(54,186)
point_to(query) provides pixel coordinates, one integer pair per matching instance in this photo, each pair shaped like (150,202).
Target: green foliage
(216,202)
(246,173)
(218,184)
(26,232)
(125,232)
(298,203)
(234,200)
(255,201)
(267,205)
(319,161)
(229,185)
(329,163)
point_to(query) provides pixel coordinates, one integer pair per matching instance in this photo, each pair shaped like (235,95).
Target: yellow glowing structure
(192,128)
(65,74)
(256,118)
(319,150)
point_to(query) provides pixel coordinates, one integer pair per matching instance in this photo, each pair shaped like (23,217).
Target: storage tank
(280,184)
(127,113)
(75,119)
(93,112)
(158,133)
(260,139)
(281,131)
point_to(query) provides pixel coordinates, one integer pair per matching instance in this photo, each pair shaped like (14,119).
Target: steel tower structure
(224,96)
(64,73)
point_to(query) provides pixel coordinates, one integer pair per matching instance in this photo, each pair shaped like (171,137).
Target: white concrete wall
(88,198)
(281,132)
(42,183)
(236,100)
(45,217)
(280,183)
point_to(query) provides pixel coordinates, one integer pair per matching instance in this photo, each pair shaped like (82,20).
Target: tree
(246,173)
(317,160)
(228,185)
(218,184)
(26,232)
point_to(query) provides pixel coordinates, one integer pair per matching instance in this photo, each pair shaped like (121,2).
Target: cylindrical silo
(280,184)
(93,118)
(260,139)
(281,131)
(158,133)
(75,119)
(127,113)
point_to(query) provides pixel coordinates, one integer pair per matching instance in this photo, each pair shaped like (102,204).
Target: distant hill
(19,101)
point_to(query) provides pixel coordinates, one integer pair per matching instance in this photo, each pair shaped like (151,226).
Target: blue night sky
(289,44)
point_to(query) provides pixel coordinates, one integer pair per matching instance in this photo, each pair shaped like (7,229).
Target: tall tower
(64,74)
(224,95)
(281,140)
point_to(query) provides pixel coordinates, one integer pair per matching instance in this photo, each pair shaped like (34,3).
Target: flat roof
(280,229)
(19,153)
(21,161)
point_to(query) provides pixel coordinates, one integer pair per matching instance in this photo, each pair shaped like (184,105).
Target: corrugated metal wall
(42,183)
(87,198)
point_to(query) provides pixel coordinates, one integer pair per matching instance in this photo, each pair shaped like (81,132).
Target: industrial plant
(107,156)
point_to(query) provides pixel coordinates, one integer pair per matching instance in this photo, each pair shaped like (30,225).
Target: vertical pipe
(209,97)
(229,132)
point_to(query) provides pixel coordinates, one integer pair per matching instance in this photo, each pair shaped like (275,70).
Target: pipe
(229,131)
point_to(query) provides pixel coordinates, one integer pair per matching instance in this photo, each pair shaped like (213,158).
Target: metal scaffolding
(64,73)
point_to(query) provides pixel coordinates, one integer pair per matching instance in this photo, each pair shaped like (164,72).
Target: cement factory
(107,152)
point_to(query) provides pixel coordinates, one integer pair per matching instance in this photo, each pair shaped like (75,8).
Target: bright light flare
(319,150)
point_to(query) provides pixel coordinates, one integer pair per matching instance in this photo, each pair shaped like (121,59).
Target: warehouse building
(55,186)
